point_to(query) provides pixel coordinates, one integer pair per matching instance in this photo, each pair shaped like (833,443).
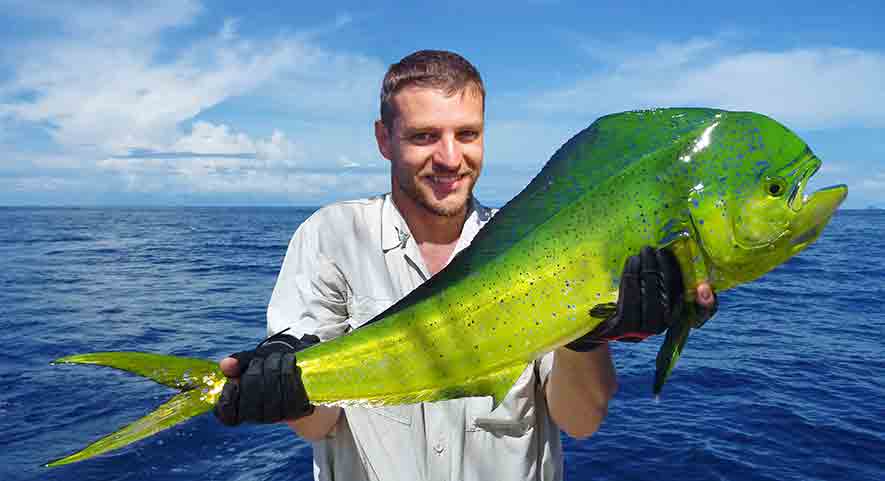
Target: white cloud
(118,99)
(43,184)
(874,184)
(115,98)
(105,87)
(209,155)
(109,22)
(207,138)
(804,88)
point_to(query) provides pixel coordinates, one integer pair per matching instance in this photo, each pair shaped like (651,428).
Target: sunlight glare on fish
(702,143)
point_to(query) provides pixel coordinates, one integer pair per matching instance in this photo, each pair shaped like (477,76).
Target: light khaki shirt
(345,264)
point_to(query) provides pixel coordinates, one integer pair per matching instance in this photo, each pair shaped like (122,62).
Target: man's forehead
(416,105)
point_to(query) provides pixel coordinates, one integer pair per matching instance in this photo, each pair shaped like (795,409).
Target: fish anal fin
(180,408)
(496,383)
(173,371)
(502,381)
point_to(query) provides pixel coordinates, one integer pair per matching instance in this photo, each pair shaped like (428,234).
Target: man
(351,260)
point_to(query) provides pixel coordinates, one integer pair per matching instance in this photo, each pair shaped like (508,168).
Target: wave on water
(784,384)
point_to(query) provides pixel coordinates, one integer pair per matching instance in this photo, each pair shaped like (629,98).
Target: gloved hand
(269,388)
(650,297)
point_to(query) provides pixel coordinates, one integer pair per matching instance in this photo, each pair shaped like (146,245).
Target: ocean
(787,382)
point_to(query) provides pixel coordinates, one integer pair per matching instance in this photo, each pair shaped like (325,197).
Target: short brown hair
(439,69)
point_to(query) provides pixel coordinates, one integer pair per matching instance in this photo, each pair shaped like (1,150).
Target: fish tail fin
(200,380)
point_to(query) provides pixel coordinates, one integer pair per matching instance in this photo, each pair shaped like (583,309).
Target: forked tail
(200,380)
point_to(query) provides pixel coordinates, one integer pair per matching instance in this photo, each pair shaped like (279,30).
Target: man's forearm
(579,388)
(317,425)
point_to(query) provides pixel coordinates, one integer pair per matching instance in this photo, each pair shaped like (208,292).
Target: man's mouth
(444,179)
(445,182)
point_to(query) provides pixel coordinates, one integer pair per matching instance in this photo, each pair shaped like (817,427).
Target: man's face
(435,148)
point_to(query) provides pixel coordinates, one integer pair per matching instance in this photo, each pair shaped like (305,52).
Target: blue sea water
(786,383)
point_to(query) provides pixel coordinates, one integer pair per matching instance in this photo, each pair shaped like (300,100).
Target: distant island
(874,207)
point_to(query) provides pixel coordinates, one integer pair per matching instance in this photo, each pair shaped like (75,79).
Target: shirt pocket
(399,414)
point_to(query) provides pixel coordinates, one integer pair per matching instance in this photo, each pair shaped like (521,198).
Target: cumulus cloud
(111,83)
(113,98)
(118,99)
(209,139)
(215,158)
(209,155)
(805,88)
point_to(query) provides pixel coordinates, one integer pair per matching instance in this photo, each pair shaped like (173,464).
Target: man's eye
(422,138)
(468,135)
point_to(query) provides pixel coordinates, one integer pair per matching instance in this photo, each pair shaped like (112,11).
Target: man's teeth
(448,179)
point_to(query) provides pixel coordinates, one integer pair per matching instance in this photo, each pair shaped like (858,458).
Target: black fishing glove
(269,388)
(651,296)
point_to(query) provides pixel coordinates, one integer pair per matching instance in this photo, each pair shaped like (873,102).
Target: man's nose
(448,154)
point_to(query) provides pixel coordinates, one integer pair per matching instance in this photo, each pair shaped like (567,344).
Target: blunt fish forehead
(738,149)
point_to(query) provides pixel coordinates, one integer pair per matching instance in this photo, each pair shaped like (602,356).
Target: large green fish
(723,190)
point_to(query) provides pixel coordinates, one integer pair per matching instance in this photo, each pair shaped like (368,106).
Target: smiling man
(432,133)
(351,260)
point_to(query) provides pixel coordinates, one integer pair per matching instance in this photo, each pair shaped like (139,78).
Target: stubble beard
(420,199)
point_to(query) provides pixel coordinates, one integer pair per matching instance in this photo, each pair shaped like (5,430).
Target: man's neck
(436,235)
(427,226)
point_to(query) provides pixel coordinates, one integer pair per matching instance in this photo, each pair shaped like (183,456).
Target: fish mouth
(815,211)
(798,199)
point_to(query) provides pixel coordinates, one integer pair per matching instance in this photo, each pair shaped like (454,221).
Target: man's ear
(382,137)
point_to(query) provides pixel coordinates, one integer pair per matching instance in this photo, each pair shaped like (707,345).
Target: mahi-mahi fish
(725,191)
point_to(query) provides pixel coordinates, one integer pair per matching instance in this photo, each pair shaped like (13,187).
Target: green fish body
(723,190)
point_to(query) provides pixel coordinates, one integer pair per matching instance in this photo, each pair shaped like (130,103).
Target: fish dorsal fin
(604,149)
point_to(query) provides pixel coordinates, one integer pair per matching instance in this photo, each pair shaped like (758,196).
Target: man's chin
(445,210)
(450,207)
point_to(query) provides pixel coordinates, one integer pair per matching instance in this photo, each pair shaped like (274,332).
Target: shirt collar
(395,232)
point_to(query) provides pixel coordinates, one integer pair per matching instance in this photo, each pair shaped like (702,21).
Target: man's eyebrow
(414,129)
(418,130)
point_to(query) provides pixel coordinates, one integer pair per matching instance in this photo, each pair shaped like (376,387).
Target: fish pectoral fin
(671,349)
(178,409)
(176,372)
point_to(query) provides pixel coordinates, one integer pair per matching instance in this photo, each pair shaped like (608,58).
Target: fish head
(749,209)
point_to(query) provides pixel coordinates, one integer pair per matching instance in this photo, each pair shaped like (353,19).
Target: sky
(188,102)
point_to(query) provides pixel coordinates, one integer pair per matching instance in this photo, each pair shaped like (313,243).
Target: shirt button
(439,448)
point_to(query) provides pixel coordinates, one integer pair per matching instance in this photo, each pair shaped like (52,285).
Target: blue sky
(190,102)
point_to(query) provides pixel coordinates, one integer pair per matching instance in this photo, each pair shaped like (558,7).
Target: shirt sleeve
(545,366)
(311,293)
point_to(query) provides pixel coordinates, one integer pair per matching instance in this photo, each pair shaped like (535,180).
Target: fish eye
(775,187)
